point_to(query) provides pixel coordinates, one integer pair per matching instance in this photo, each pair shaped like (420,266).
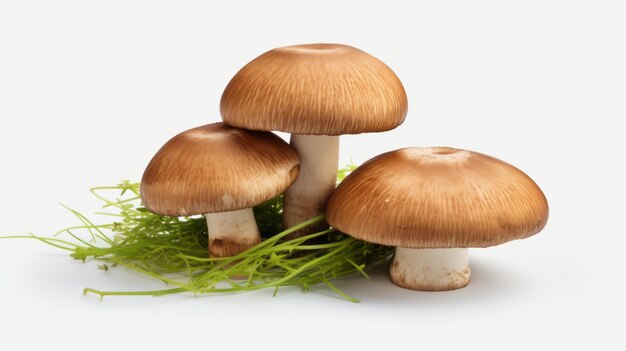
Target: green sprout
(174,249)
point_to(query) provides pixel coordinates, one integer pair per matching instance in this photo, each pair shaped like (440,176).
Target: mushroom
(316,92)
(222,172)
(433,204)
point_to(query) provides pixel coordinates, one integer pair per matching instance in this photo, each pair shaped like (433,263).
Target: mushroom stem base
(430,269)
(232,232)
(307,196)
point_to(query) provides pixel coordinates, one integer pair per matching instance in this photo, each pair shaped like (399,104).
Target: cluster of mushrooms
(432,203)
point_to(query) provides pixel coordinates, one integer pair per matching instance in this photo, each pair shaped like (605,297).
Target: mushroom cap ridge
(315,89)
(437,198)
(216,168)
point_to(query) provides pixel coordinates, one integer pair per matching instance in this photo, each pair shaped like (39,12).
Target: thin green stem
(174,249)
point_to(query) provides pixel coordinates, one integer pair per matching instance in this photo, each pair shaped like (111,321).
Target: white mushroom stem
(231,232)
(430,269)
(307,196)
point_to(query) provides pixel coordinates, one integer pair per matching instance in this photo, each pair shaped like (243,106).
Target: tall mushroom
(316,92)
(433,204)
(222,172)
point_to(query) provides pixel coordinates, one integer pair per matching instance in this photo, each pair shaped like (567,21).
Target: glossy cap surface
(437,198)
(216,168)
(315,89)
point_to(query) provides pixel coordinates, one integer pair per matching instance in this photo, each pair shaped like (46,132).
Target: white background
(90,90)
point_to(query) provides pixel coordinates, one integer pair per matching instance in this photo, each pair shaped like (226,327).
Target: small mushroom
(316,92)
(433,204)
(222,172)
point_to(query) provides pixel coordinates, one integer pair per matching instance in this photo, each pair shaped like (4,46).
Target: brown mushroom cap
(216,168)
(315,89)
(437,198)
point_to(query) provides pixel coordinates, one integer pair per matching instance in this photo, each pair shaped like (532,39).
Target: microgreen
(174,249)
